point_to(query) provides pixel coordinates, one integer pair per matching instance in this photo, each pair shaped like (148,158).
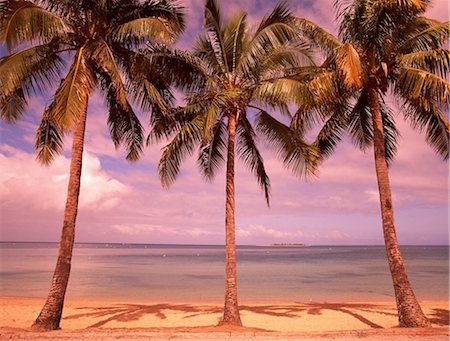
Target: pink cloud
(258,231)
(45,188)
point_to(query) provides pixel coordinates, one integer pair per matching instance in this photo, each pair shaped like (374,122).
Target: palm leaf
(49,138)
(296,154)
(32,70)
(360,122)
(391,134)
(213,23)
(433,37)
(71,97)
(275,30)
(101,55)
(124,125)
(282,60)
(332,131)
(361,127)
(235,36)
(348,62)
(212,155)
(23,21)
(417,83)
(321,38)
(433,61)
(141,30)
(250,155)
(180,68)
(182,145)
(215,105)
(13,106)
(424,114)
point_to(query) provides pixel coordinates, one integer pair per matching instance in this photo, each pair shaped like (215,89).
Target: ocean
(195,273)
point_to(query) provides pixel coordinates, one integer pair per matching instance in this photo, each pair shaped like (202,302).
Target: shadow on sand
(134,312)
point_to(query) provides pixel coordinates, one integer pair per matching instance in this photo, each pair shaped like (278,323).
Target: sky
(125,203)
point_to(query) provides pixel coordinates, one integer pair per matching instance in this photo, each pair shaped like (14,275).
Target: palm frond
(248,152)
(49,138)
(332,131)
(124,126)
(424,114)
(280,61)
(417,83)
(360,122)
(416,6)
(138,22)
(100,53)
(171,11)
(281,14)
(297,155)
(432,37)
(182,145)
(215,104)
(203,50)
(276,29)
(13,106)
(212,155)
(433,61)
(348,62)
(167,125)
(321,38)
(391,133)
(141,30)
(212,114)
(213,24)
(235,38)
(71,97)
(24,21)
(361,127)
(31,70)
(180,68)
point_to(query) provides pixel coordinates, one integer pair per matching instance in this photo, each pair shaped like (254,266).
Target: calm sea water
(195,273)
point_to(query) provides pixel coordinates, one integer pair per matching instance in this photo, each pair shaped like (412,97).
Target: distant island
(288,244)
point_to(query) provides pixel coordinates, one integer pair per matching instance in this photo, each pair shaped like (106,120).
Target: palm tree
(224,78)
(99,36)
(384,45)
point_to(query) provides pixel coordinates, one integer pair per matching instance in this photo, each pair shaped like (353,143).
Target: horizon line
(203,244)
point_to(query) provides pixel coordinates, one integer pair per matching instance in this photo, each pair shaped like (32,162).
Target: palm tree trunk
(50,315)
(231,310)
(410,313)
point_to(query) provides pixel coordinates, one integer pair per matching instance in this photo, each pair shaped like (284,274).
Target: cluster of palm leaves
(239,84)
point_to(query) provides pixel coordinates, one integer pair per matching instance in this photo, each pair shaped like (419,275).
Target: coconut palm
(223,77)
(385,47)
(98,37)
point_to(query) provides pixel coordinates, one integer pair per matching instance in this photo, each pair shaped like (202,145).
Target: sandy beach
(109,320)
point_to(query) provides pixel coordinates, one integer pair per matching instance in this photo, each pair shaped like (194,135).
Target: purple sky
(123,202)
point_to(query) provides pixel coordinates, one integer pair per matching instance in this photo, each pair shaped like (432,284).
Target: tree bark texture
(231,310)
(50,315)
(410,313)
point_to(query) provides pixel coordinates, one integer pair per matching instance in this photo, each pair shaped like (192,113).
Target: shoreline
(106,319)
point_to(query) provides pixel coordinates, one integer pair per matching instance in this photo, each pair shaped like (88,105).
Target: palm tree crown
(98,36)
(388,46)
(225,76)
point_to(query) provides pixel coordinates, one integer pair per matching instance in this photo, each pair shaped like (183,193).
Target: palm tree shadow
(295,311)
(133,312)
(350,309)
(440,317)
